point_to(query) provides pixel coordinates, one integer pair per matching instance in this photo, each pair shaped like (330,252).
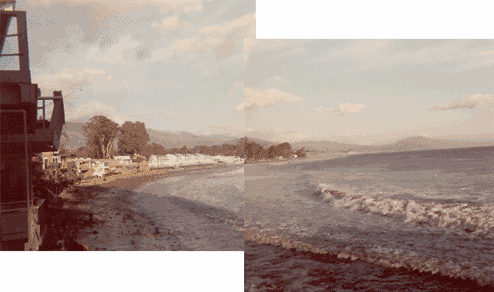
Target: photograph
(119,130)
(218,145)
(132,141)
(369,165)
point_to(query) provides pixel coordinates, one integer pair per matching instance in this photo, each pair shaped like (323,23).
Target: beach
(111,214)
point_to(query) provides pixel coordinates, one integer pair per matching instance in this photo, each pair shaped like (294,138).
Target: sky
(176,65)
(368,91)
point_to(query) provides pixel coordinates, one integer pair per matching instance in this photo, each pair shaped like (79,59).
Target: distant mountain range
(170,139)
(409,144)
(174,139)
(180,139)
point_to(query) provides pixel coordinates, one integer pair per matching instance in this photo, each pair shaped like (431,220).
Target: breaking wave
(477,219)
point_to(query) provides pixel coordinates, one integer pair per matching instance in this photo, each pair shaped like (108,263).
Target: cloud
(69,80)
(283,48)
(110,8)
(124,84)
(258,99)
(198,44)
(248,44)
(342,109)
(116,54)
(195,114)
(235,86)
(232,31)
(225,130)
(297,51)
(224,38)
(277,81)
(487,53)
(274,134)
(179,6)
(469,102)
(171,24)
(243,23)
(323,109)
(349,108)
(240,107)
(447,56)
(94,108)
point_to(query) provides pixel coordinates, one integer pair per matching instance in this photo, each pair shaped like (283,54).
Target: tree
(301,152)
(263,153)
(52,179)
(255,151)
(154,149)
(83,152)
(240,151)
(174,151)
(283,150)
(228,150)
(183,150)
(133,138)
(272,152)
(100,133)
(200,149)
(286,149)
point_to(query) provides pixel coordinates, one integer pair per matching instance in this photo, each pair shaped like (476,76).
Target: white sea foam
(475,219)
(325,188)
(230,173)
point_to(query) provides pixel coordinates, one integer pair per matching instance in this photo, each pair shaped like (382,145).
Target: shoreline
(296,260)
(270,267)
(300,160)
(124,219)
(148,175)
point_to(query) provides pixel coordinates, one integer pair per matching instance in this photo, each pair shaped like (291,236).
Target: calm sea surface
(409,221)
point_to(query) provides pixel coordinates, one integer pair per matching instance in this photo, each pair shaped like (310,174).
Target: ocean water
(221,188)
(426,212)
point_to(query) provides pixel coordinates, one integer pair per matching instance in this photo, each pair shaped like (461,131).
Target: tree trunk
(108,149)
(102,144)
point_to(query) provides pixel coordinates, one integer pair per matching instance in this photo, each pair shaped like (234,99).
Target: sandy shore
(111,215)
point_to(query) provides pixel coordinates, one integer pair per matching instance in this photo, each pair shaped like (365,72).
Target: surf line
(274,236)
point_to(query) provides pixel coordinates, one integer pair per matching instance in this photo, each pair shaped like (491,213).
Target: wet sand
(123,219)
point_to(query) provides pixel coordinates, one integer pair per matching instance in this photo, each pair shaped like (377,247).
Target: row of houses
(100,167)
(180,160)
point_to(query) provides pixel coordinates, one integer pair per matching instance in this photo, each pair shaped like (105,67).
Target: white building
(100,168)
(123,160)
(179,160)
(49,158)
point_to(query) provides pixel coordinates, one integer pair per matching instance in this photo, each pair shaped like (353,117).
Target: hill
(324,146)
(177,139)
(408,144)
(263,143)
(76,138)
(423,143)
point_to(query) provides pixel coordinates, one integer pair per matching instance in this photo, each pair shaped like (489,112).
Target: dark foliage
(100,134)
(133,138)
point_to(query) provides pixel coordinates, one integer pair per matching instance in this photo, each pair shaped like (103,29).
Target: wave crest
(475,219)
